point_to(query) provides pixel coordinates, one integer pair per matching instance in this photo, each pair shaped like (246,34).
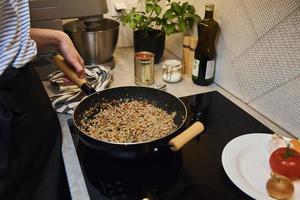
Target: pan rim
(131,143)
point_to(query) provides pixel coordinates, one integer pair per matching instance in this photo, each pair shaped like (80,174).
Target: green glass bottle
(203,71)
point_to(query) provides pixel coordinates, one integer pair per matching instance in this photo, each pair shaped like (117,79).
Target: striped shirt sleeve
(16,46)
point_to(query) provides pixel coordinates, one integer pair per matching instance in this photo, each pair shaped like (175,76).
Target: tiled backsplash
(258,57)
(272,60)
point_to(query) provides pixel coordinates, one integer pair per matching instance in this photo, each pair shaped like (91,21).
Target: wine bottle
(203,71)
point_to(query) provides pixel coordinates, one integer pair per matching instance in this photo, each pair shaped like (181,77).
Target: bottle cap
(209,7)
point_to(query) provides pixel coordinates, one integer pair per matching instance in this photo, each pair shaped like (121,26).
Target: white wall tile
(235,26)
(282,106)
(264,14)
(125,33)
(225,75)
(125,36)
(273,60)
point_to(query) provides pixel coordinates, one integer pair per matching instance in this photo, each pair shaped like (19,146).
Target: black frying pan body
(159,98)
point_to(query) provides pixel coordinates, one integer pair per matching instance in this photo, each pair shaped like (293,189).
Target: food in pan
(127,121)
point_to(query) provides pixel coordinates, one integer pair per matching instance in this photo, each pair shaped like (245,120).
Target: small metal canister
(144,68)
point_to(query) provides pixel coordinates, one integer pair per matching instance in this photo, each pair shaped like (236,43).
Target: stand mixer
(94,36)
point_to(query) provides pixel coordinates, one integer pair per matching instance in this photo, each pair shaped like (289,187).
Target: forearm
(62,42)
(46,37)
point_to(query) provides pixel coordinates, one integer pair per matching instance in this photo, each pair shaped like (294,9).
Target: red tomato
(286,163)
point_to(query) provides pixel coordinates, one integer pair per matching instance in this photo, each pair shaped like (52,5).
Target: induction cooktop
(195,172)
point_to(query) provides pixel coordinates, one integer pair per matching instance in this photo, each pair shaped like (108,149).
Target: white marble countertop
(123,75)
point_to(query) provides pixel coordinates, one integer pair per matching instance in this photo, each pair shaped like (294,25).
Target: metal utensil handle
(180,140)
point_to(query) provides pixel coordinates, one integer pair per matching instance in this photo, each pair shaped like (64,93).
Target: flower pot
(153,41)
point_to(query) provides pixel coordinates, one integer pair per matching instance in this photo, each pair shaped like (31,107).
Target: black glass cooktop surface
(195,172)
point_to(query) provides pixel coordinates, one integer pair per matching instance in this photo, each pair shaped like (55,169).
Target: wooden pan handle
(180,140)
(71,74)
(67,70)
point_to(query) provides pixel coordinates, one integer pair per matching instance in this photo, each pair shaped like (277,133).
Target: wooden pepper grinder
(189,45)
(185,54)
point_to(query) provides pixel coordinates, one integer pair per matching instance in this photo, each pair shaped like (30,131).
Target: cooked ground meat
(128,122)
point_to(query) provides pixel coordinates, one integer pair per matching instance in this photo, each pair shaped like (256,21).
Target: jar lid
(144,55)
(173,63)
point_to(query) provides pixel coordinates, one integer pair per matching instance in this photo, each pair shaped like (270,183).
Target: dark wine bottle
(203,71)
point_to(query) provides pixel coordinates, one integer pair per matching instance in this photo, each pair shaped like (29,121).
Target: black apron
(31,165)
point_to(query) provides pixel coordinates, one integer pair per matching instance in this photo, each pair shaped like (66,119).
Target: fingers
(67,81)
(71,55)
(79,68)
(76,63)
(81,61)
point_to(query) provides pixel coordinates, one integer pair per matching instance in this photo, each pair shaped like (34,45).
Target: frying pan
(173,141)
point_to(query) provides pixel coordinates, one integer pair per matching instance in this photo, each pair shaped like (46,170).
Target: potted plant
(151,26)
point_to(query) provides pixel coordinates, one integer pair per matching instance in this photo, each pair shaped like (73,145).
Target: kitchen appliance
(193,173)
(48,11)
(95,41)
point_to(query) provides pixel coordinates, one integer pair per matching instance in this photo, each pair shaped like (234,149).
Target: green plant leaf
(137,18)
(132,24)
(168,14)
(170,28)
(176,8)
(126,18)
(149,7)
(185,6)
(157,9)
(178,18)
(181,26)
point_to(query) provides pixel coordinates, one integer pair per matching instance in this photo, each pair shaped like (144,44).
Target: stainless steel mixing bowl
(95,41)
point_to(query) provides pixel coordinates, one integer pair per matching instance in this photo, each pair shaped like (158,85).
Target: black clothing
(31,165)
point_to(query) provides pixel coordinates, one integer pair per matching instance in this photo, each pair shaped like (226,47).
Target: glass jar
(172,71)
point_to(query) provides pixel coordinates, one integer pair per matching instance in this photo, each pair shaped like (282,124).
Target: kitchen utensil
(188,52)
(160,98)
(160,87)
(193,44)
(185,53)
(95,41)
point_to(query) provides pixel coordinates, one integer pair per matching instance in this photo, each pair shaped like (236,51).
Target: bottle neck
(209,14)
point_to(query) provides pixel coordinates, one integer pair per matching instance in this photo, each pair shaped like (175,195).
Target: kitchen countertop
(123,75)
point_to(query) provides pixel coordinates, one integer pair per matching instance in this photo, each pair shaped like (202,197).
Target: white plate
(246,162)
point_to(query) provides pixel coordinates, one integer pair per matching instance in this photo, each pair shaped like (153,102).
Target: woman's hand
(70,54)
(62,42)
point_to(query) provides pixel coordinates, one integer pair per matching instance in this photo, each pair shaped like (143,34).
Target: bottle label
(210,69)
(195,70)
